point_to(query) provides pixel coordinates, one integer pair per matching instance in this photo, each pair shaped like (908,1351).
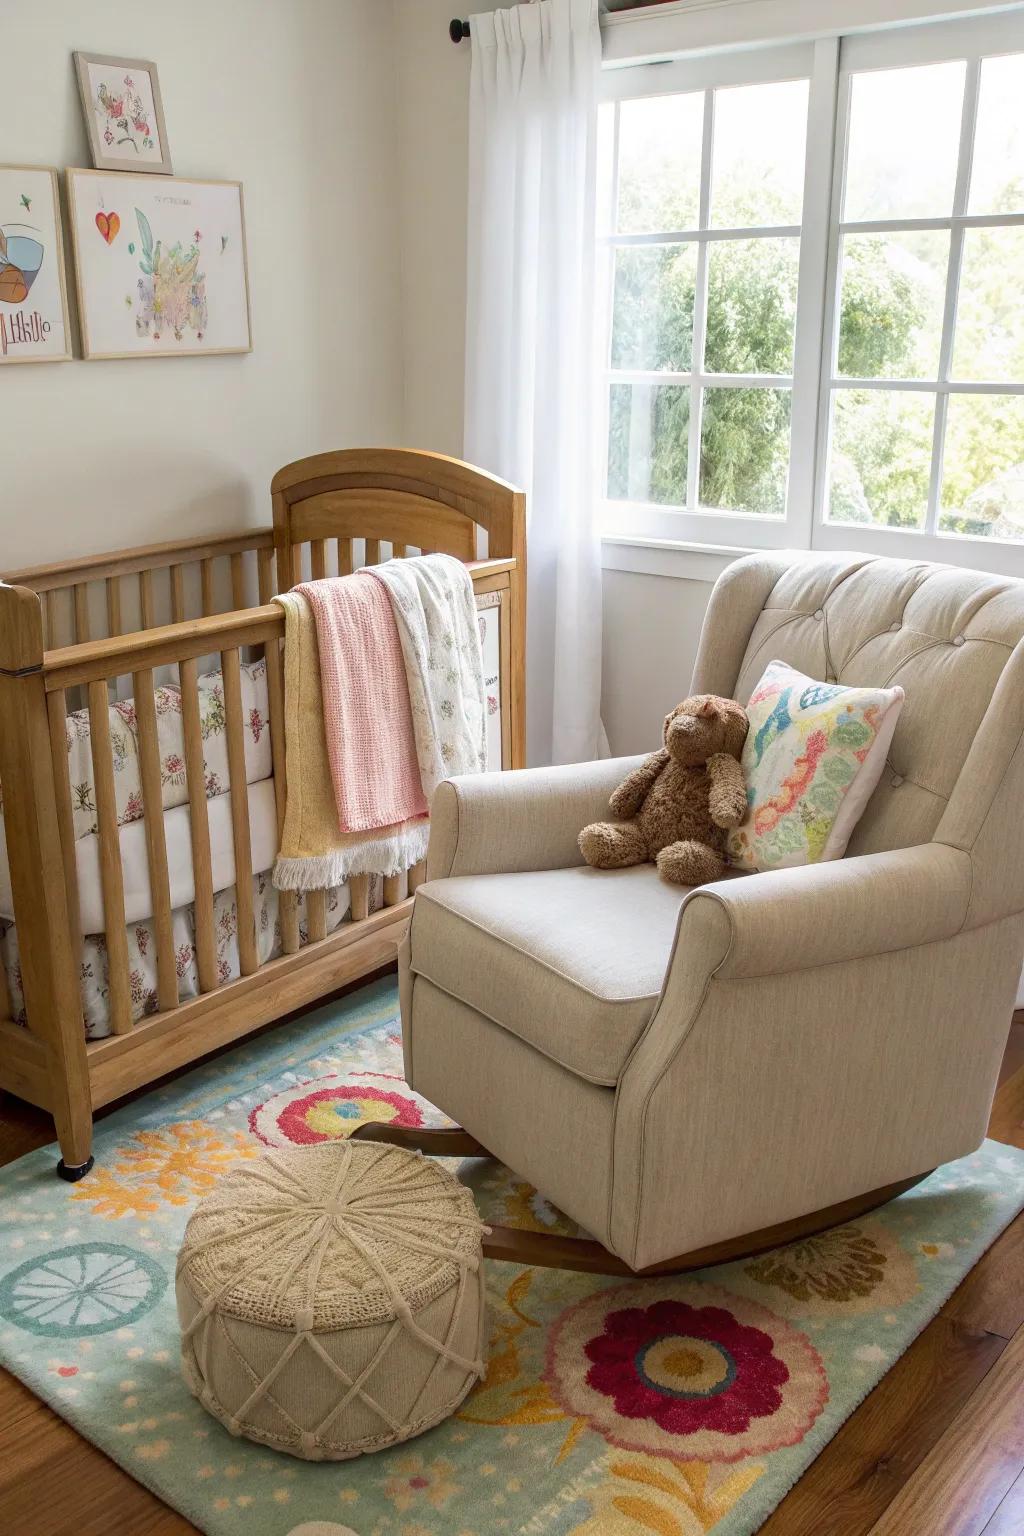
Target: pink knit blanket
(367,716)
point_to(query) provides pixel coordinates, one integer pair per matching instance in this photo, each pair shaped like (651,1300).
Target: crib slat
(417,875)
(177,593)
(345,561)
(248,955)
(316,915)
(56,706)
(265,569)
(373,551)
(287,905)
(156,840)
(81,613)
(237,581)
(318,558)
(394,889)
(399,551)
(206,585)
(6,1011)
(114,606)
(50,615)
(359,891)
(195,768)
(146,609)
(111,878)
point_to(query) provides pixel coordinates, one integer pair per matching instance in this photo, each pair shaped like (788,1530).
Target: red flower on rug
(306,1115)
(686,1367)
(654,1368)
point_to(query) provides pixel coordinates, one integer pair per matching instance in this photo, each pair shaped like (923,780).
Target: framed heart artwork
(33,297)
(160,264)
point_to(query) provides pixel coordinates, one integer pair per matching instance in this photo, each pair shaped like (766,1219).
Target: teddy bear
(678,805)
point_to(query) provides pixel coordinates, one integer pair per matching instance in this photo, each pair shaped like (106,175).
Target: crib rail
(111,594)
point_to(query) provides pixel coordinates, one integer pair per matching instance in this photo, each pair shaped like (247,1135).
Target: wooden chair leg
(441,1141)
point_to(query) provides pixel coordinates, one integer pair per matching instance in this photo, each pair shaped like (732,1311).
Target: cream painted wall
(433,128)
(295,98)
(651,629)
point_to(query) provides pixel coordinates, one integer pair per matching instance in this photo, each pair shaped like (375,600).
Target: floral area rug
(610,1408)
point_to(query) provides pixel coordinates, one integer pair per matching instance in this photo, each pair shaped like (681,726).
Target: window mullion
(968,123)
(830,325)
(809,335)
(700,308)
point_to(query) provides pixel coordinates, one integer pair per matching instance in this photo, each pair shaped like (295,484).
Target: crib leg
(72,1116)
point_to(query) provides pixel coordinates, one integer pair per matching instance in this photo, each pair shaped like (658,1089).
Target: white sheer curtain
(530,366)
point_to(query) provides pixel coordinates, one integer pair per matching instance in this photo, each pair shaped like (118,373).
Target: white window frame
(828,64)
(970,40)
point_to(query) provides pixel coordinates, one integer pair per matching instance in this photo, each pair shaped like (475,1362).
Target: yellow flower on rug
(172,1166)
(672,1498)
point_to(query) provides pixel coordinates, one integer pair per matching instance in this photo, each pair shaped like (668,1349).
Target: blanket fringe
(376,856)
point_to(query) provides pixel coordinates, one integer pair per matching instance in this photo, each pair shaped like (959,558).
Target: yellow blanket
(315,854)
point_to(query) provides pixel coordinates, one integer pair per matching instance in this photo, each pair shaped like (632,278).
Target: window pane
(893,295)
(983,466)
(904,142)
(758,158)
(648,437)
(652,319)
(990,309)
(659,162)
(751,305)
(744,450)
(997,175)
(880,464)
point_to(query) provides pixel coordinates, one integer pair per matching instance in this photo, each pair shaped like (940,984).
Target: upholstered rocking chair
(692,1075)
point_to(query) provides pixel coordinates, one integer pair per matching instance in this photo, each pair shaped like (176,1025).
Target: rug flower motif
(672,1407)
(685,1370)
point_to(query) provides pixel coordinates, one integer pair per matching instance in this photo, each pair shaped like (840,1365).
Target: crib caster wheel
(75,1172)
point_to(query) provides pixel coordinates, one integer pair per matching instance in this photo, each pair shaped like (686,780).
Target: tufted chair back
(952,639)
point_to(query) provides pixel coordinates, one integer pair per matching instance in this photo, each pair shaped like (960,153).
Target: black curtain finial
(457,30)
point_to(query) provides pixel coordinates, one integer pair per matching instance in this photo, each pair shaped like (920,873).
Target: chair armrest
(530,818)
(846,909)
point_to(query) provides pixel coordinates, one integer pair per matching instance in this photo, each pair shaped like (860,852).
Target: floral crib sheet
(93,976)
(171,746)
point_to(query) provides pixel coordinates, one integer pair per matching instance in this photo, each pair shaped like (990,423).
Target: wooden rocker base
(513,1245)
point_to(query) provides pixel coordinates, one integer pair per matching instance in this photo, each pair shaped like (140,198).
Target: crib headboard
(406,501)
(397,496)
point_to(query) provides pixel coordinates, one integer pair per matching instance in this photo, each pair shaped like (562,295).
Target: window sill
(683,559)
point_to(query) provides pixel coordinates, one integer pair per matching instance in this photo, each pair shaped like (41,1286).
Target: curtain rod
(457,30)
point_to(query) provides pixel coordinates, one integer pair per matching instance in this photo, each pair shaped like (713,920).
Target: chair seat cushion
(570,960)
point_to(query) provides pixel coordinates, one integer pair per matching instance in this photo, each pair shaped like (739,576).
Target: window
(812,296)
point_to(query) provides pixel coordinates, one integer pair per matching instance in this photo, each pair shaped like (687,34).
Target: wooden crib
(391,502)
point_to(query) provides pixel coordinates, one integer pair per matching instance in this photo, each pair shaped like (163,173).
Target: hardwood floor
(937,1449)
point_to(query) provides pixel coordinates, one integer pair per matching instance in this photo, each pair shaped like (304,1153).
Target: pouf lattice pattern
(331,1298)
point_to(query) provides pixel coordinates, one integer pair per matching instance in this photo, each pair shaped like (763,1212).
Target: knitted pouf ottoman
(331,1298)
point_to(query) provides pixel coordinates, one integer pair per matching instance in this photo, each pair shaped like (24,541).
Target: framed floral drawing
(124,114)
(33,298)
(160,265)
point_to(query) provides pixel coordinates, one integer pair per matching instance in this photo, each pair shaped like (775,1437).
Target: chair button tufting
(958,639)
(819,614)
(895,626)
(896,780)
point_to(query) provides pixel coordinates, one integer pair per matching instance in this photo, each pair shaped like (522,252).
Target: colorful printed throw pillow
(813,755)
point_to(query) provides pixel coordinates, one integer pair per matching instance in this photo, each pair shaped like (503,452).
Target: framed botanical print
(124,114)
(160,265)
(33,298)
